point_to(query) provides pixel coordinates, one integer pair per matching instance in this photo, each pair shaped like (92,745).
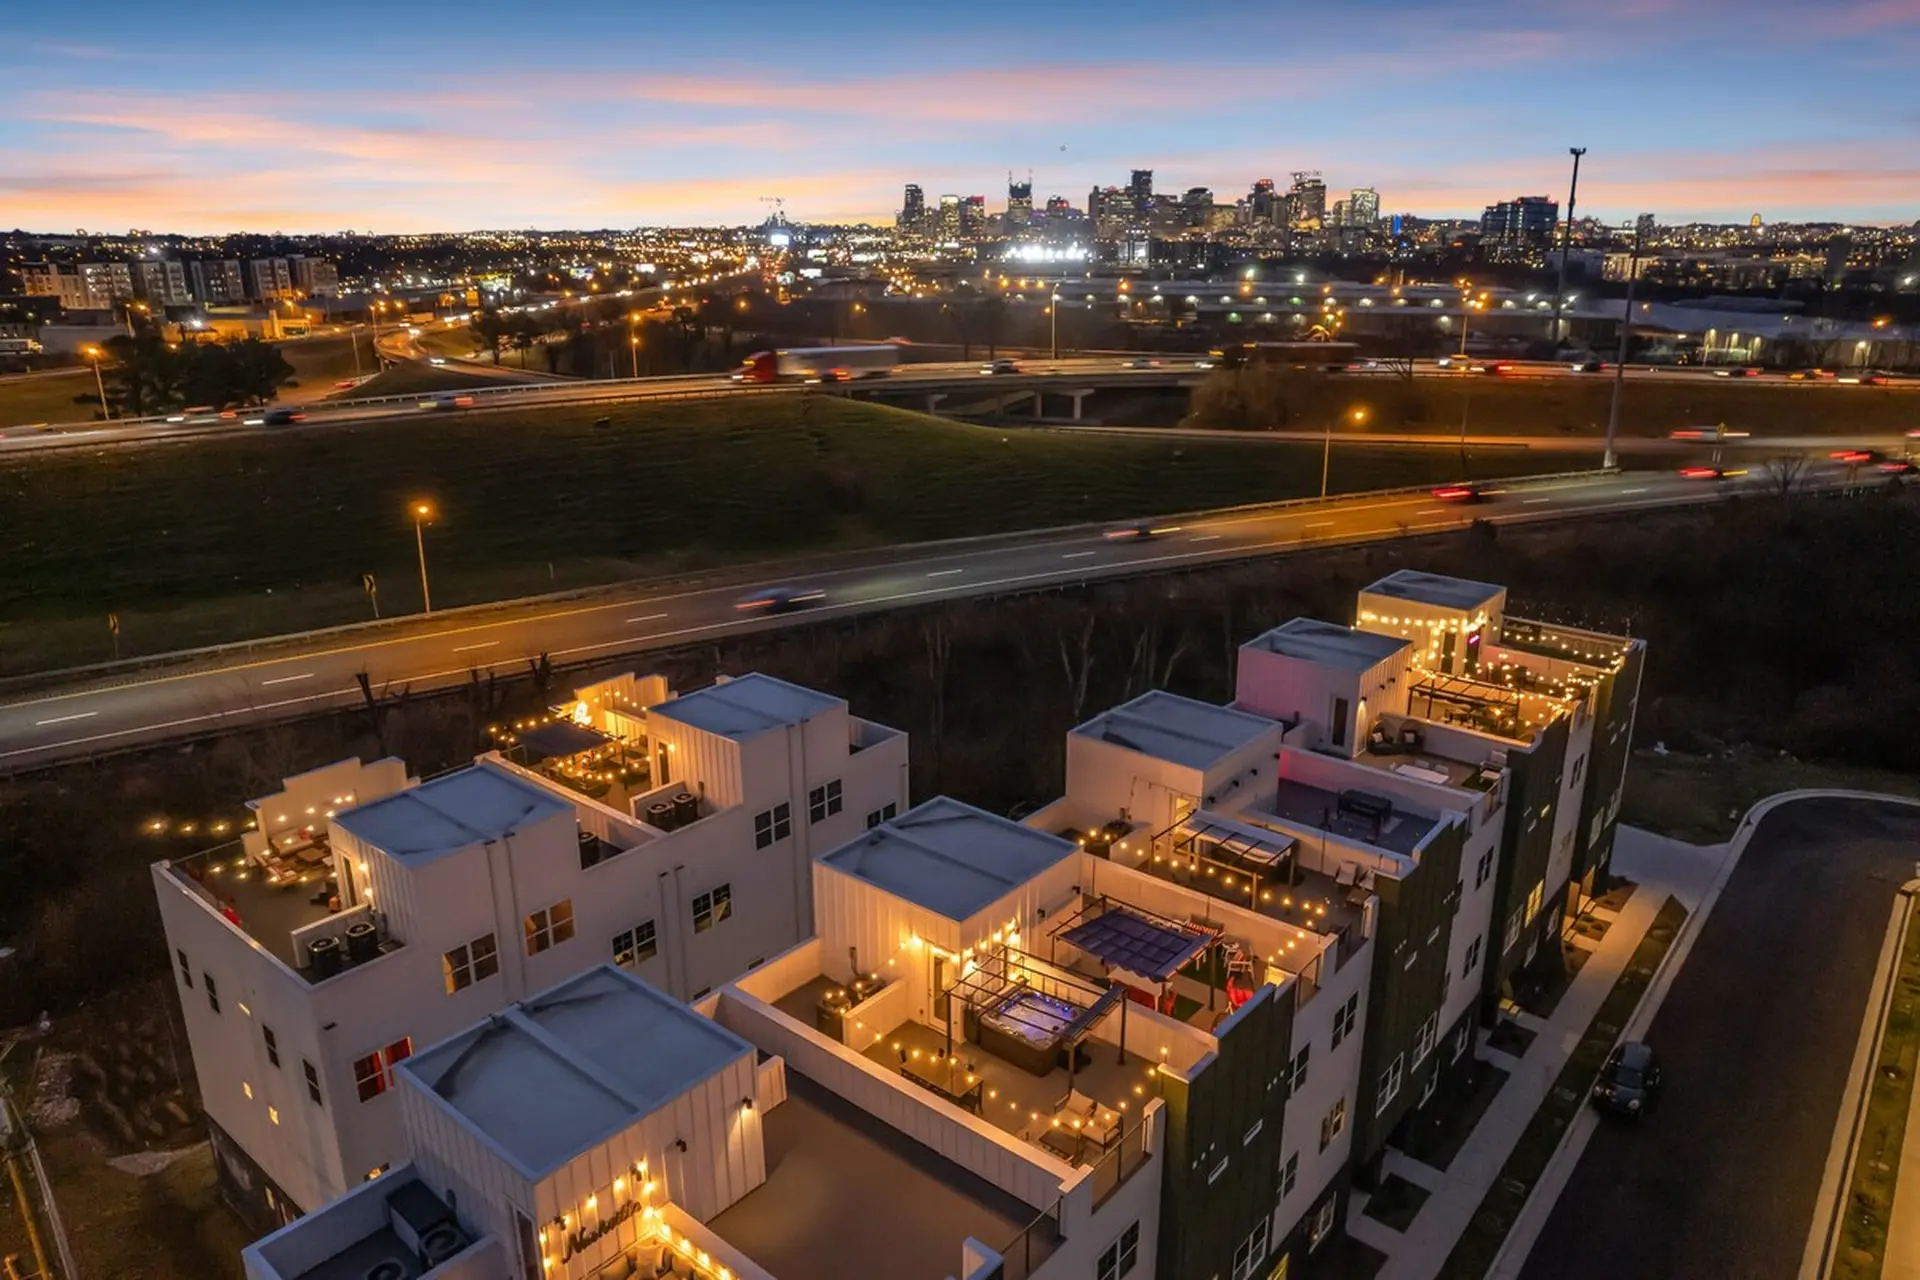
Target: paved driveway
(1758,1033)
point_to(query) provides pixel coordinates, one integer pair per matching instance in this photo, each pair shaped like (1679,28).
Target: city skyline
(434,126)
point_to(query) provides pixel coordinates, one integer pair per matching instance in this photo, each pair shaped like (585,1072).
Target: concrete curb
(1512,1257)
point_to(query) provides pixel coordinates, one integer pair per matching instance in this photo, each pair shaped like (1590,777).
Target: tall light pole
(93,355)
(1466,301)
(1620,356)
(1053,315)
(1566,243)
(1359,415)
(633,340)
(422,512)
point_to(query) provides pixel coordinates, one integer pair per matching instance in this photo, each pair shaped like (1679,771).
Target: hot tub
(1026,1028)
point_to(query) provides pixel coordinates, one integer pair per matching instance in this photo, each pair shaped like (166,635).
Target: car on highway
(436,359)
(279,417)
(1813,375)
(449,401)
(1139,530)
(1141,362)
(1629,1083)
(1873,458)
(779,599)
(1718,433)
(1001,365)
(1740,371)
(1498,369)
(1469,492)
(204,413)
(1586,366)
(1710,471)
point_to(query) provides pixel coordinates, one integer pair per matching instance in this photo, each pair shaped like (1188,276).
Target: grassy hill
(220,538)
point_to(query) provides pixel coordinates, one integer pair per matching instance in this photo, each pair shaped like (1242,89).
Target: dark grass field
(266,533)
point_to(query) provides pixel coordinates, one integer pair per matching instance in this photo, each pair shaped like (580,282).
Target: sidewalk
(1661,868)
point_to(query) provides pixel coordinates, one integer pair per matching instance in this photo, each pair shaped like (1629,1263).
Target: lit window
(246,1088)
(549,926)
(470,962)
(373,1074)
(273,1114)
(634,946)
(710,909)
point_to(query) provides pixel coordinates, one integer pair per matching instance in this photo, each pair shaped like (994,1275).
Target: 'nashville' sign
(585,1237)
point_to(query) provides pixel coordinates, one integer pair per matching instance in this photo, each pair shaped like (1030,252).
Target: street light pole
(421,513)
(1326,448)
(1620,358)
(1566,244)
(1053,314)
(93,354)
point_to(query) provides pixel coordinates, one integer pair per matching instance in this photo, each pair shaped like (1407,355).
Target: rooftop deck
(1295,895)
(1305,805)
(848,1195)
(266,912)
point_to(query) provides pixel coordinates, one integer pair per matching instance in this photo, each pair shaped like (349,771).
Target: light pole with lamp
(93,357)
(1359,415)
(1053,316)
(1607,459)
(422,512)
(633,340)
(1566,244)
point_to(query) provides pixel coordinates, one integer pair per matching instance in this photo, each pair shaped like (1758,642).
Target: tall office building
(313,278)
(52,280)
(161,282)
(1140,190)
(269,279)
(1196,206)
(973,215)
(1307,202)
(913,208)
(217,281)
(1524,220)
(1261,202)
(1019,203)
(1363,207)
(949,216)
(1059,207)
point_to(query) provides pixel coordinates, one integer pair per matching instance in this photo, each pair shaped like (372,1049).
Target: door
(941,999)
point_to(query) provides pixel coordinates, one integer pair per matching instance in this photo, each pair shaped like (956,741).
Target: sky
(205,116)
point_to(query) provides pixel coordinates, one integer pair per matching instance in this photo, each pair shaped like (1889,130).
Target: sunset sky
(215,115)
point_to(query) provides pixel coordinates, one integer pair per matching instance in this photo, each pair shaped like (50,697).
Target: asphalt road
(1757,1034)
(281,679)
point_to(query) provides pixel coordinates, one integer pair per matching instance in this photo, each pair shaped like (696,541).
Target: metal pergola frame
(991,982)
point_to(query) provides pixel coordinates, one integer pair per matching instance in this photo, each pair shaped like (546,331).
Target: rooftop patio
(265,909)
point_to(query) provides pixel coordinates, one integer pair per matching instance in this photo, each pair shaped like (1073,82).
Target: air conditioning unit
(442,1242)
(387,1269)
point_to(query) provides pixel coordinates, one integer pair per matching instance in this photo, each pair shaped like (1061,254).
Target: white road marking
(945,573)
(1533,502)
(1207,537)
(649,617)
(305,675)
(484,644)
(1430,511)
(1077,555)
(1629,492)
(1317,524)
(82,715)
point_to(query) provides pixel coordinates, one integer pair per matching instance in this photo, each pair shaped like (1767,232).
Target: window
(1343,1019)
(213,992)
(1246,1139)
(1120,1256)
(247,1088)
(1250,1253)
(1483,869)
(1289,1175)
(1472,960)
(1322,1223)
(1390,1083)
(273,1044)
(472,962)
(1461,1039)
(1425,1038)
(880,815)
(823,802)
(634,946)
(313,1082)
(1431,1087)
(375,1172)
(1333,1124)
(373,1074)
(186,970)
(775,824)
(549,926)
(1339,726)
(1536,897)
(273,1114)
(709,909)
(1579,763)
(1513,930)
(1299,1078)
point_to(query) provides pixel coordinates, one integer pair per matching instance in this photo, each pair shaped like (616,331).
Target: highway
(951,377)
(283,679)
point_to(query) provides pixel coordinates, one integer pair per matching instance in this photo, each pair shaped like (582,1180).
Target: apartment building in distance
(1165,1026)
(368,914)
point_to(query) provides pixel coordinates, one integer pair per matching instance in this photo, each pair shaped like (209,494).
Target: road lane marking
(1207,537)
(649,617)
(1627,493)
(945,573)
(63,719)
(305,675)
(1430,511)
(484,644)
(1077,555)
(1318,524)
(1534,502)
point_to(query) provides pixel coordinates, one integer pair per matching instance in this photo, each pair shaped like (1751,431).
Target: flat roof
(1329,644)
(1185,731)
(747,706)
(466,807)
(555,1075)
(1436,589)
(949,857)
(846,1194)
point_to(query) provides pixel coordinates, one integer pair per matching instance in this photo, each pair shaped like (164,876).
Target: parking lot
(1757,1035)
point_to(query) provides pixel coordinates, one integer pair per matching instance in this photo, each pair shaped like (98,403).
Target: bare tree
(1784,474)
(1076,660)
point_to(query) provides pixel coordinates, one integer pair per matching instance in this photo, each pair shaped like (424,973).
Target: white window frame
(773,825)
(885,813)
(1322,1223)
(1251,1252)
(634,946)
(1425,1038)
(823,801)
(548,927)
(1333,1124)
(1390,1083)
(1120,1257)
(1289,1174)
(462,966)
(712,907)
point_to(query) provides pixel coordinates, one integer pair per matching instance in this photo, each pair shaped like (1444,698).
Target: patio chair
(1347,876)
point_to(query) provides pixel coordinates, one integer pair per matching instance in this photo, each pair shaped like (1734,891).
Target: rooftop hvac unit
(363,941)
(441,1243)
(326,956)
(387,1269)
(661,814)
(686,809)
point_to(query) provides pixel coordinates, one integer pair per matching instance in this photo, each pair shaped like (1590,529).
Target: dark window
(213,992)
(313,1082)
(1120,1257)
(470,962)
(1289,1174)
(709,909)
(1339,722)
(1343,1019)
(186,970)
(823,802)
(634,946)
(880,815)
(775,824)
(273,1045)
(1299,1077)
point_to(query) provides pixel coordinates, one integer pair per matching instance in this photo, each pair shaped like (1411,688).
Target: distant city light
(1045,253)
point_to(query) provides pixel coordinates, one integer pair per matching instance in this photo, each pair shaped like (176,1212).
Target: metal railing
(1030,1249)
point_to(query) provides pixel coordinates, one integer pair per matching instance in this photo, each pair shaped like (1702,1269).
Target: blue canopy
(1132,940)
